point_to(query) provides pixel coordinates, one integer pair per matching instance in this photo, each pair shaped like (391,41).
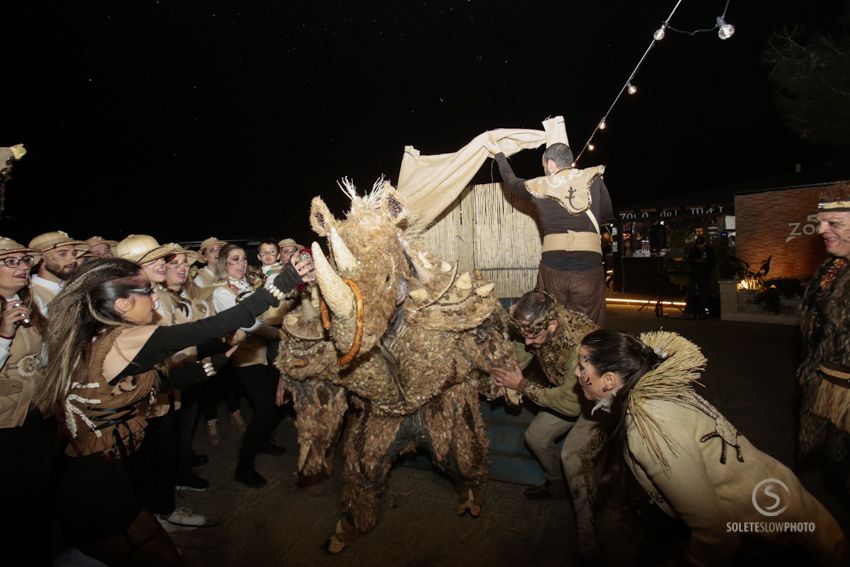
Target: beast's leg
(455,432)
(371,445)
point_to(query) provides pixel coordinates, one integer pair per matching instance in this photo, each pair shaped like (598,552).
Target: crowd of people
(101,402)
(111,352)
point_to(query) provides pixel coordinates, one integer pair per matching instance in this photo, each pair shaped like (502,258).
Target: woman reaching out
(102,349)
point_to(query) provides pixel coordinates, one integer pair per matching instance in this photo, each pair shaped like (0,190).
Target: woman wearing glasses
(103,348)
(249,363)
(26,437)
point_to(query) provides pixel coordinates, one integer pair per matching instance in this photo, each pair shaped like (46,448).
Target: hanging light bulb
(602,125)
(631,88)
(659,33)
(591,147)
(724,31)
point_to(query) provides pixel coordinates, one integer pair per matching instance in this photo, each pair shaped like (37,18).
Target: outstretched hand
(508,377)
(491,143)
(303,264)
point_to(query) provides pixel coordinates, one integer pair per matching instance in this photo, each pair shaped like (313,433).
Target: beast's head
(369,273)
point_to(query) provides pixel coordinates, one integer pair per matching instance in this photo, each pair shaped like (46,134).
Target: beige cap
(288,242)
(50,240)
(191,255)
(9,246)
(95,240)
(141,248)
(209,242)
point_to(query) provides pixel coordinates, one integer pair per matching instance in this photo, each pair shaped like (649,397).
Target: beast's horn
(346,263)
(336,293)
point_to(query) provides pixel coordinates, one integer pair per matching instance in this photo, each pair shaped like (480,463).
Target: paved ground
(750,378)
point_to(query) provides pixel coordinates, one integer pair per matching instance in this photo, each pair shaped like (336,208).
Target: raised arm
(511,182)
(165,341)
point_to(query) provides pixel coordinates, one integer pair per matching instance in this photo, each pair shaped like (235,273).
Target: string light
(724,31)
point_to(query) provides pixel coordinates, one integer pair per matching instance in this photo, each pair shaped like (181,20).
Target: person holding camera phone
(27,437)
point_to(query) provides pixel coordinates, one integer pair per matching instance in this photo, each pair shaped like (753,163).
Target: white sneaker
(185,517)
(168,526)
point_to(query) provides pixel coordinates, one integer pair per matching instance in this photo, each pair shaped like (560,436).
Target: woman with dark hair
(688,458)
(101,378)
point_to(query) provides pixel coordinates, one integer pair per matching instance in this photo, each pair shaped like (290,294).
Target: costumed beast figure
(412,342)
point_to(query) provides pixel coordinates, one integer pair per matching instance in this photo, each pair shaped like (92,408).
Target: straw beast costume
(410,339)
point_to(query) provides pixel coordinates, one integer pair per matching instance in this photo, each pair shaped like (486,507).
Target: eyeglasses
(147,290)
(12,261)
(237,260)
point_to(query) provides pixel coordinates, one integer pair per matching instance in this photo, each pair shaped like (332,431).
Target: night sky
(186,119)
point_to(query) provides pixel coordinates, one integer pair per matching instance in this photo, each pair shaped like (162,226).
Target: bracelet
(274,290)
(208,367)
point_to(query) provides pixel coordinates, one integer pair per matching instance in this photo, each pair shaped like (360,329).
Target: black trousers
(27,475)
(160,450)
(222,386)
(190,404)
(259,383)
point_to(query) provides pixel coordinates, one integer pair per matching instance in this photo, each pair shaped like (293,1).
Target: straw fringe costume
(412,355)
(824,375)
(695,465)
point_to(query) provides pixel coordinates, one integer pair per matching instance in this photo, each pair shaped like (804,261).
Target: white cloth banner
(430,184)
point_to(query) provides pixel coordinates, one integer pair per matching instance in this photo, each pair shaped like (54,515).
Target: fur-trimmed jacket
(825,321)
(558,358)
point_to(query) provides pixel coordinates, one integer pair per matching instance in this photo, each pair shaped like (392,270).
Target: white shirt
(224,298)
(51,289)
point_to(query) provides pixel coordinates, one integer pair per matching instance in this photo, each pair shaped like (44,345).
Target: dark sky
(185,119)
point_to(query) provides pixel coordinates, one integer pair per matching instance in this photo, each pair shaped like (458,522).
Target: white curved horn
(345,260)
(336,293)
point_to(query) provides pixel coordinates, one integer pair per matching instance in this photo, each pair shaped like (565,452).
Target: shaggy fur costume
(825,322)
(424,340)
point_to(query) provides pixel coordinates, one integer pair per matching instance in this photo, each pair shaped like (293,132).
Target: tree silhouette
(812,75)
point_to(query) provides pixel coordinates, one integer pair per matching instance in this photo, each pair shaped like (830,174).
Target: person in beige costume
(27,432)
(99,247)
(209,250)
(59,258)
(686,455)
(250,365)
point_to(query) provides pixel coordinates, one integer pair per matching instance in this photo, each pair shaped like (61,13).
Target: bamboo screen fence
(492,231)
